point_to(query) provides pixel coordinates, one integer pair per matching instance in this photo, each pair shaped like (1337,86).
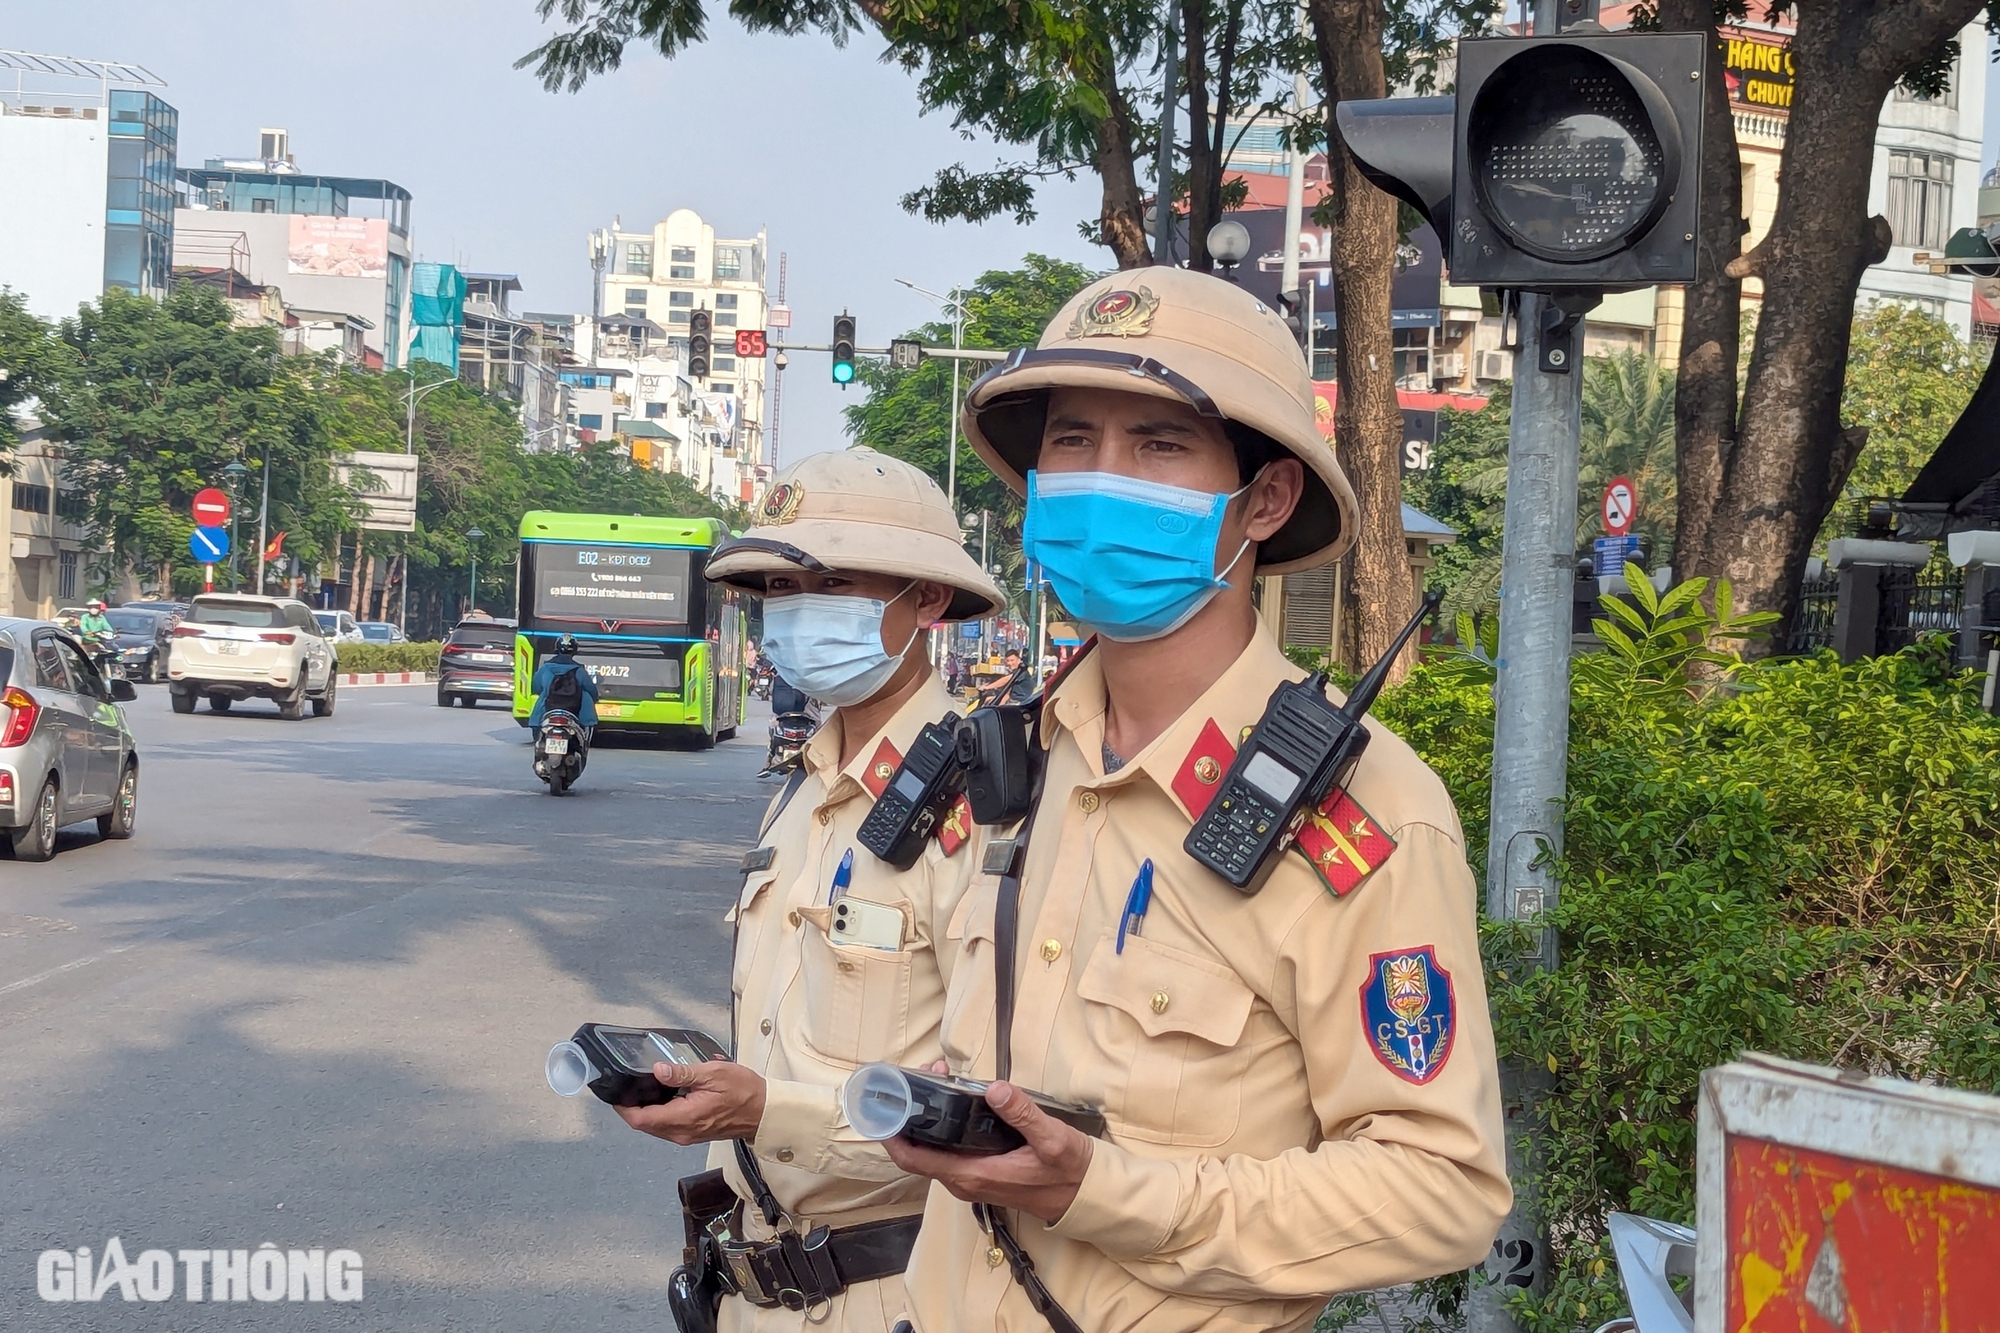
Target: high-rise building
(662,277)
(87,160)
(327,243)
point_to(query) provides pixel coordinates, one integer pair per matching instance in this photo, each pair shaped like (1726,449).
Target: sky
(814,143)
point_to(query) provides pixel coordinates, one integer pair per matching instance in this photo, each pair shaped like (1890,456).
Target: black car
(142,635)
(477,662)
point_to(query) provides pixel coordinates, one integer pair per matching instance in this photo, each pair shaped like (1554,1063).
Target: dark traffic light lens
(1574,153)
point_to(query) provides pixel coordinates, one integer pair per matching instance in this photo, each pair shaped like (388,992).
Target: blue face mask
(1132,559)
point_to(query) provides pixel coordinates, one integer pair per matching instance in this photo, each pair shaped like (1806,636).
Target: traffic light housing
(1573,162)
(843,349)
(701,344)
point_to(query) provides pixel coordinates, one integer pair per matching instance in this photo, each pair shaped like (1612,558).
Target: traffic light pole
(1531,733)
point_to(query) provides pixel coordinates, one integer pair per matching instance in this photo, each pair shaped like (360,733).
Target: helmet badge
(1119,313)
(781,503)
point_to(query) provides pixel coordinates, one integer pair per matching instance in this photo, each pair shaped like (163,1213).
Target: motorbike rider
(856,555)
(94,628)
(560,663)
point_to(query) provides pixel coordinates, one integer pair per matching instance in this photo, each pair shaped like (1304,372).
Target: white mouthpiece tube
(569,1069)
(878,1101)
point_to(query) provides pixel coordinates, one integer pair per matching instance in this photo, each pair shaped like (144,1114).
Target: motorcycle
(762,677)
(789,734)
(561,750)
(104,655)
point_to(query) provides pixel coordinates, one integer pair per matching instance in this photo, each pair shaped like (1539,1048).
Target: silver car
(66,753)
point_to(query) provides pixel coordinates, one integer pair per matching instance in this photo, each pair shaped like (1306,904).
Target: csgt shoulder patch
(1408,1012)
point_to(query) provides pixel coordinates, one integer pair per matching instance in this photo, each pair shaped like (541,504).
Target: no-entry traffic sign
(209,545)
(1621,502)
(211,508)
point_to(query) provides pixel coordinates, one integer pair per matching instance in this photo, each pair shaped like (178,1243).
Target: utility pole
(957,342)
(1531,717)
(1163,193)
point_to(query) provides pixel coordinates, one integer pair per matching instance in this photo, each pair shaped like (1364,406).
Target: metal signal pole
(1163,194)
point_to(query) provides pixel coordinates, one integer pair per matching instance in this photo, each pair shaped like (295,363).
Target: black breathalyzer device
(942,1111)
(1303,747)
(916,797)
(617,1062)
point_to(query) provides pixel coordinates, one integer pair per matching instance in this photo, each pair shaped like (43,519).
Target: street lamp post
(235,473)
(473,535)
(957,303)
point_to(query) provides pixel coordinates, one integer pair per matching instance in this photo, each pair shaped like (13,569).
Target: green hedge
(387,656)
(1789,856)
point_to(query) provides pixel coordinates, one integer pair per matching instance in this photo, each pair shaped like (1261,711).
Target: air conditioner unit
(1492,365)
(1448,366)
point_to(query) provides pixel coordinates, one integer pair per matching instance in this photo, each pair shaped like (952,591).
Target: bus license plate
(558,747)
(610,710)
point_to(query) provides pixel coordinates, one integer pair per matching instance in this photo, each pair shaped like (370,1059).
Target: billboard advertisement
(388,486)
(328,247)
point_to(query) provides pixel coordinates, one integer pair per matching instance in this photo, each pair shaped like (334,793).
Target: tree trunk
(1791,458)
(1368,424)
(1122,218)
(1712,322)
(1202,164)
(1207,142)
(364,569)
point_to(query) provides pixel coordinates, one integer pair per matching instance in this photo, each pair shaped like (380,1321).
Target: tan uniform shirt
(809,1011)
(1264,1148)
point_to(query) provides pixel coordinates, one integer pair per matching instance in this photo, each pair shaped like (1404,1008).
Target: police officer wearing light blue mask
(1298,1086)
(855,555)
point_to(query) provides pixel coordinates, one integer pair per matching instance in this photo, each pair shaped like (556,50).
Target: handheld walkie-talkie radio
(1303,747)
(917,797)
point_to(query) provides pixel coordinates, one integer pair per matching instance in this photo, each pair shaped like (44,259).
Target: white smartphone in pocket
(873,925)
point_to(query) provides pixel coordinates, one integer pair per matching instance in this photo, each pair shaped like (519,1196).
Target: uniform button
(846,966)
(1051,950)
(825,817)
(1087,802)
(765,1027)
(792,917)
(995,1256)
(784,1154)
(1160,1001)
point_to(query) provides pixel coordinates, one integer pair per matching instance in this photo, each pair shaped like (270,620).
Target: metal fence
(1812,627)
(1915,602)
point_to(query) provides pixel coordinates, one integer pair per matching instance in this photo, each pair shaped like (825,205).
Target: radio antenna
(1370,685)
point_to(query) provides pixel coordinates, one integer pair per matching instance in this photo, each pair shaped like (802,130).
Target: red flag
(276,548)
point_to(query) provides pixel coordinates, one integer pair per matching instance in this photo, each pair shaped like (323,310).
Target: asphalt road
(309,1004)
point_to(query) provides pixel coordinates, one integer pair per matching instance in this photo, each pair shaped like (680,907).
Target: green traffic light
(843,372)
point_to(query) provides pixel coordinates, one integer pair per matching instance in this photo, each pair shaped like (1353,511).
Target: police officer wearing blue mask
(1298,1085)
(839,957)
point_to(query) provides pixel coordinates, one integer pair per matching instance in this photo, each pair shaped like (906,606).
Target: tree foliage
(1909,376)
(1794,856)
(154,399)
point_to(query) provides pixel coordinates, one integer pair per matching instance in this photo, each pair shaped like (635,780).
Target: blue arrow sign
(209,544)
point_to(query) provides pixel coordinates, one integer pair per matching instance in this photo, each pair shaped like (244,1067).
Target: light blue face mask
(1132,559)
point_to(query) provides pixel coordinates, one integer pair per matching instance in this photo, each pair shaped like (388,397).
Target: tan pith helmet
(1174,333)
(857,511)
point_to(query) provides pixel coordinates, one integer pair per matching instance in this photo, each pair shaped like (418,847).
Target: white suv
(238,646)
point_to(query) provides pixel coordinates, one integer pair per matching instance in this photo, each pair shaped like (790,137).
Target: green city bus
(664,644)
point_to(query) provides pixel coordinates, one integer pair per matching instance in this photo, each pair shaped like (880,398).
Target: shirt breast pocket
(967,1027)
(856,999)
(744,917)
(1173,1023)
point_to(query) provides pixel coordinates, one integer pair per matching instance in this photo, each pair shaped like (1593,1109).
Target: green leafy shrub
(387,656)
(1787,856)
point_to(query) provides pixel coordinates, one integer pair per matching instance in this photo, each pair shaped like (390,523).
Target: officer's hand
(1041,1178)
(723,1100)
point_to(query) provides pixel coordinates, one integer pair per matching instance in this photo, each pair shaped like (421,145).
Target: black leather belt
(799,1272)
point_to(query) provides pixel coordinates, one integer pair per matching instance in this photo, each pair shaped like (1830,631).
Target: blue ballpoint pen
(841,877)
(1136,903)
